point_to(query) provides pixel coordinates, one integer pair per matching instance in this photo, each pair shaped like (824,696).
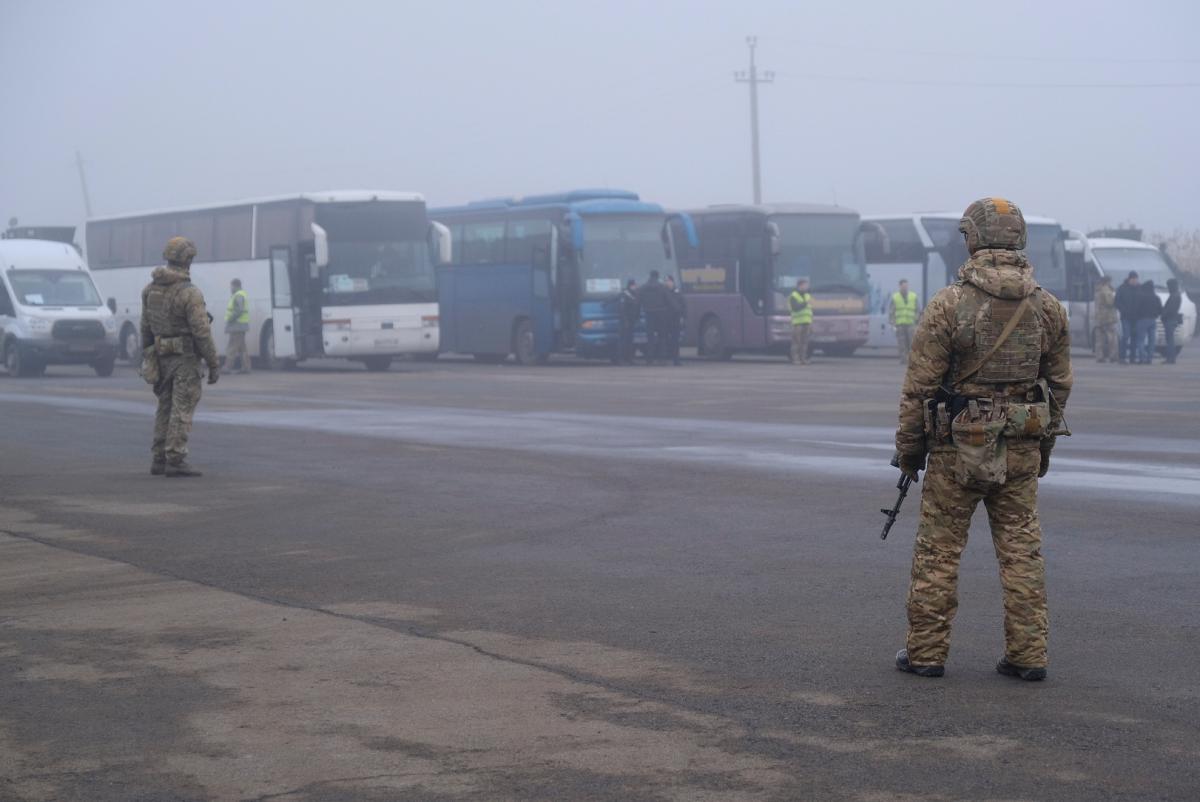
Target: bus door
(283,317)
(753,284)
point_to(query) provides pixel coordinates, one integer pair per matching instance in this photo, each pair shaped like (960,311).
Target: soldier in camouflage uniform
(175,323)
(990,367)
(1105,332)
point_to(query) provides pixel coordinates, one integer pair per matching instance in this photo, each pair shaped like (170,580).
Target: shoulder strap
(1004,335)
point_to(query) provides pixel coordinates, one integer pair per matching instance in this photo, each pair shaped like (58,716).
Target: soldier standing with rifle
(176,337)
(983,397)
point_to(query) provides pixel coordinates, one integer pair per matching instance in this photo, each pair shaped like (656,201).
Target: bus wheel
(523,347)
(131,344)
(712,340)
(377,364)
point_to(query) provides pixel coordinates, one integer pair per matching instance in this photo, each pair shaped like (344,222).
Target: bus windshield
(1117,262)
(620,248)
(1045,250)
(53,288)
(378,253)
(825,249)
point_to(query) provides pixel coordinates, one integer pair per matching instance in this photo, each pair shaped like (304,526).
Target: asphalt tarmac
(463,581)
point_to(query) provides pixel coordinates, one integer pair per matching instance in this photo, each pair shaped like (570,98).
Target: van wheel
(131,344)
(104,367)
(19,365)
(377,364)
(523,347)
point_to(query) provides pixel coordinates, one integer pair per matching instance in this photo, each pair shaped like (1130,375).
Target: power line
(754,78)
(862,79)
(966,56)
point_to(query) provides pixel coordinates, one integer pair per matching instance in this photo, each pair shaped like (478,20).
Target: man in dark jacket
(628,312)
(676,319)
(1126,306)
(656,307)
(1148,308)
(1171,317)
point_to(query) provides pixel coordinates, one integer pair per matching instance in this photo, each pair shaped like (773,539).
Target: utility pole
(754,78)
(87,199)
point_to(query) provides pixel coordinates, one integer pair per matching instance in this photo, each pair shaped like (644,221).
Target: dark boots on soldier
(181,468)
(158,466)
(1029,674)
(921,671)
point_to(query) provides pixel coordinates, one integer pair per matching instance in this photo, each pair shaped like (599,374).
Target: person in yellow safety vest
(237,323)
(903,312)
(800,302)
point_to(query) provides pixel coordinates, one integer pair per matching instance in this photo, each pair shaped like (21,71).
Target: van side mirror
(112,305)
(320,246)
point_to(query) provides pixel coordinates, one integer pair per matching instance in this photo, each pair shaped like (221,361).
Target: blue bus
(539,275)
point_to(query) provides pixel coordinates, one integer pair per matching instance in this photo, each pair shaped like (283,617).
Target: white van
(1117,257)
(50,310)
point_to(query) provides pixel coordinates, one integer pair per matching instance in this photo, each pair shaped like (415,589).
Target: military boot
(158,466)
(1027,673)
(181,468)
(902,664)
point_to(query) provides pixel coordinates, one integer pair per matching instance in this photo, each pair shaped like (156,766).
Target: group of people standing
(665,309)
(1127,320)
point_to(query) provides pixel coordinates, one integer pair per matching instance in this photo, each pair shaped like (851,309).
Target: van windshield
(53,288)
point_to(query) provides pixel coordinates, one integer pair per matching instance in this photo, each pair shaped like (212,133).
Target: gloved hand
(911,464)
(214,373)
(1047,446)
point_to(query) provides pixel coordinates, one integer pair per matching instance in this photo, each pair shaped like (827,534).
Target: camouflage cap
(179,251)
(993,223)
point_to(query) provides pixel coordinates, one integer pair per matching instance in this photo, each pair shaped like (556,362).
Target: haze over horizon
(1073,112)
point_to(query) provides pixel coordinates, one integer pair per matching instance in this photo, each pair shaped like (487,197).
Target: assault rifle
(902,485)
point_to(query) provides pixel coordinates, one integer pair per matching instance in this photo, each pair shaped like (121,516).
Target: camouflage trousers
(946,510)
(178,392)
(1106,342)
(904,337)
(799,352)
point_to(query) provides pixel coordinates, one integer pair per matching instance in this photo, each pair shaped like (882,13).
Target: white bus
(927,249)
(336,274)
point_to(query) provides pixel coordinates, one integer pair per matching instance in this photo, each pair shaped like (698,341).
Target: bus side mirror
(320,246)
(576,223)
(773,235)
(439,241)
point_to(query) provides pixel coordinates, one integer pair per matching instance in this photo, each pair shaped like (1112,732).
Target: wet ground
(461,581)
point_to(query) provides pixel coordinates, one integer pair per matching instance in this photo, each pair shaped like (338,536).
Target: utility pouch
(1030,420)
(173,346)
(149,369)
(980,445)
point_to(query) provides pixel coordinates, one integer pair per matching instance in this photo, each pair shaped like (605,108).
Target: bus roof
(775,208)
(328,196)
(581,201)
(1032,220)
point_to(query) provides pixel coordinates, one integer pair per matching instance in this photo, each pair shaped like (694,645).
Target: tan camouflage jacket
(945,344)
(171,308)
(1106,305)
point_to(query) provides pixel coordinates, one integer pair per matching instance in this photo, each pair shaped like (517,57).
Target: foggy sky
(185,103)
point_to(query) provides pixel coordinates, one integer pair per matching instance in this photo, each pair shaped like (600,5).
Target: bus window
(949,243)
(752,277)
(892,242)
(528,242)
(483,243)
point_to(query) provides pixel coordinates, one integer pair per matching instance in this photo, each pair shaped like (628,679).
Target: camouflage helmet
(993,223)
(179,251)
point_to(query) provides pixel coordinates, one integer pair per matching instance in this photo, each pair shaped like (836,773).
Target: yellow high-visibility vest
(905,308)
(805,315)
(244,317)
